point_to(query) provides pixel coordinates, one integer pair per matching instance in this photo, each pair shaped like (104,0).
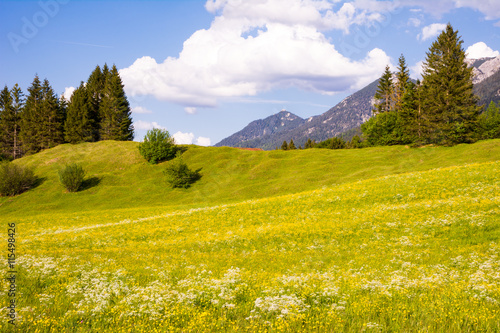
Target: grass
(380,240)
(118,176)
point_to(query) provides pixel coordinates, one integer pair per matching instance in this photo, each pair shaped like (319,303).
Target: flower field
(416,252)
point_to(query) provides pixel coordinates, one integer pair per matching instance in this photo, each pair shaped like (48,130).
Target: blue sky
(205,69)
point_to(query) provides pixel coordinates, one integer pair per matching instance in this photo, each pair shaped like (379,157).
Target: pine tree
(30,118)
(52,118)
(114,110)
(402,83)
(95,88)
(80,123)
(291,146)
(449,103)
(385,93)
(7,123)
(490,122)
(18,105)
(284,146)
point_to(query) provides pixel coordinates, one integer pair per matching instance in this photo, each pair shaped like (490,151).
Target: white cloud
(183,138)
(141,110)
(254,46)
(490,8)
(68,91)
(146,125)
(190,110)
(480,50)
(431,31)
(415,22)
(417,70)
(202,141)
(189,138)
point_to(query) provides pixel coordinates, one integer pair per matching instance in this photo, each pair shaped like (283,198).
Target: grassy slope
(120,178)
(416,252)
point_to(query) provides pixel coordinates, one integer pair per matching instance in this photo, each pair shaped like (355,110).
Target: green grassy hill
(119,178)
(399,252)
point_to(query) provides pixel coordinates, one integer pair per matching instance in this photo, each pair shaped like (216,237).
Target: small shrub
(15,179)
(157,146)
(72,177)
(179,175)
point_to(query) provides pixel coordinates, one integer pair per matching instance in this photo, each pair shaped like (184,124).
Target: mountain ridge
(348,114)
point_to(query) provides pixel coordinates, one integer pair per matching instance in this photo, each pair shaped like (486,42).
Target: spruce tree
(385,93)
(402,83)
(291,146)
(18,105)
(52,118)
(490,122)
(114,110)
(284,146)
(95,88)
(30,118)
(449,103)
(7,123)
(80,123)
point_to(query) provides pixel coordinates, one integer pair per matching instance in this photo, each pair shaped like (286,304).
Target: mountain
(270,133)
(346,116)
(272,126)
(486,79)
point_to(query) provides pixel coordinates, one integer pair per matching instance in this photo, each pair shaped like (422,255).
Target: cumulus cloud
(431,31)
(417,70)
(68,92)
(254,46)
(189,138)
(190,110)
(141,110)
(202,141)
(480,50)
(146,125)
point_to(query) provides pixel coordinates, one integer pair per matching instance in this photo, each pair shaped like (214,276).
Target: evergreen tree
(284,146)
(30,118)
(402,84)
(385,93)
(42,118)
(291,146)
(52,118)
(18,105)
(114,110)
(7,123)
(95,88)
(490,122)
(80,123)
(449,103)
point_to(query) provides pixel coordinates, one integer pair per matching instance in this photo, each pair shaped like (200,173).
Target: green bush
(179,175)
(157,146)
(72,177)
(15,179)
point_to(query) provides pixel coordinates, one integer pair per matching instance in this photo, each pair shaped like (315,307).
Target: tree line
(97,110)
(441,109)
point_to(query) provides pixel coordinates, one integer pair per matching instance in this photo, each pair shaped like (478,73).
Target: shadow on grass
(89,183)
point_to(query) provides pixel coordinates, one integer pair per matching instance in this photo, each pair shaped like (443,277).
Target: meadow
(378,244)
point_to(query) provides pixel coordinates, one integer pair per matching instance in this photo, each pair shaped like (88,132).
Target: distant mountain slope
(347,115)
(282,122)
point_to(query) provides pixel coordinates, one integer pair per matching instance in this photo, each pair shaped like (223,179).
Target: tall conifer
(385,93)
(402,83)
(115,113)
(80,123)
(449,103)
(30,125)
(52,118)
(7,123)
